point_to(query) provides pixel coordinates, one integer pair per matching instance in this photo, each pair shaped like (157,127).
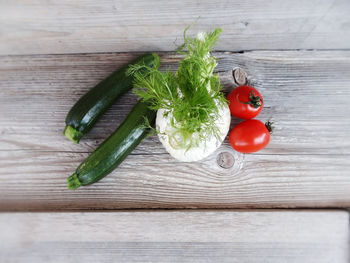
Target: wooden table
(296,53)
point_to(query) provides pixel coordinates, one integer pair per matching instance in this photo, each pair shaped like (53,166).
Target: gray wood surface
(182,236)
(66,26)
(305,165)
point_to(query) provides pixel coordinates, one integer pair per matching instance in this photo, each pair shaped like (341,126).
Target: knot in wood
(239,76)
(225,160)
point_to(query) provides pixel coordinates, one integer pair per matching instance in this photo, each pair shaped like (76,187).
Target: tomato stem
(255,101)
(269,126)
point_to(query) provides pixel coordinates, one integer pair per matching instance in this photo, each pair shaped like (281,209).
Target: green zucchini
(115,148)
(87,110)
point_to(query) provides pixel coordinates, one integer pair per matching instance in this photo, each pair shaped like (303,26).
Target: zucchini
(87,110)
(115,148)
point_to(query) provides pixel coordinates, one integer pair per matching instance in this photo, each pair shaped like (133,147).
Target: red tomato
(250,136)
(245,102)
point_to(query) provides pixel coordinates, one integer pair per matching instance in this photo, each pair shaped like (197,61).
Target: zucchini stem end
(72,134)
(73,182)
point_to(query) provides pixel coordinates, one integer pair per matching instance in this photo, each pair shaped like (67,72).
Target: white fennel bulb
(173,141)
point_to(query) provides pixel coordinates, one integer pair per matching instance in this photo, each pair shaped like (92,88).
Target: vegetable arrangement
(191,115)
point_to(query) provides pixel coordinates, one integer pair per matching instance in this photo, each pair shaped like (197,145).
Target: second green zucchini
(115,148)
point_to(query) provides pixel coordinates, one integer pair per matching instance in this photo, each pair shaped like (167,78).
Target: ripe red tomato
(250,136)
(245,102)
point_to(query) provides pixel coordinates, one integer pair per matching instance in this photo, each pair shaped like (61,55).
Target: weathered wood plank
(305,165)
(37,181)
(190,236)
(65,26)
(306,94)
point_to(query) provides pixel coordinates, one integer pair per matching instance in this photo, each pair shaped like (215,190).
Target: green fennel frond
(192,95)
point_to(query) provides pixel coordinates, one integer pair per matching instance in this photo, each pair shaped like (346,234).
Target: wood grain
(181,236)
(305,165)
(66,26)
